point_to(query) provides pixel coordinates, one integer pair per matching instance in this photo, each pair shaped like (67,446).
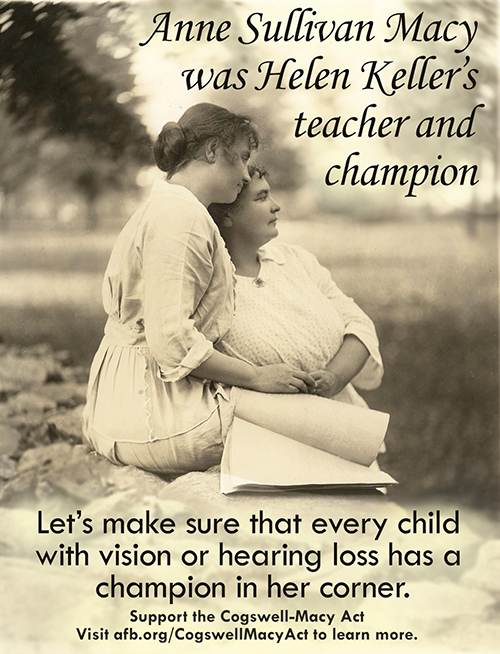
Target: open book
(346,442)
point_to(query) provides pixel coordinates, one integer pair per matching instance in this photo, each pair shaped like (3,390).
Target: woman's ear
(211,150)
(227,221)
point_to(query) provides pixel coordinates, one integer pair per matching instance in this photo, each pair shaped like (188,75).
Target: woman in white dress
(160,396)
(288,309)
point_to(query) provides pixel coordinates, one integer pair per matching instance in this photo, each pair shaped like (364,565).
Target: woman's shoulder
(164,194)
(172,207)
(291,253)
(300,261)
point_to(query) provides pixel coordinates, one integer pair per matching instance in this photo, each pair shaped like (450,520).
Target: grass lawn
(431,290)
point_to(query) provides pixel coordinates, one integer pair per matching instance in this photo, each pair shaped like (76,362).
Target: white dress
(294,313)
(169,293)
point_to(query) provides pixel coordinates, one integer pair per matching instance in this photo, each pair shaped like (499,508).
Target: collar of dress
(162,187)
(272,253)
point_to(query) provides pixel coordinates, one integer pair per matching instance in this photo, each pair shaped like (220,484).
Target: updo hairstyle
(181,142)
(219,211)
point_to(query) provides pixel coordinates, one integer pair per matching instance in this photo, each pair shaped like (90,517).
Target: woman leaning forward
(160,397)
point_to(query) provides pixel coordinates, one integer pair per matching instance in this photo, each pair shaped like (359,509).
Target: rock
(9,439)
(19,487)
(77,374)
(85,476)
(67,424)
(55,456)
(117,504)
(41,350)
(197,487)
(45,492)
(35,469)
(30,402)
(34,432)
(78,476)
(127,477)
(65,394)
(433,610)
(4,411)
(28,367)
(61,469)
(64,357)
(8,388)
(485,575)
(18,537)
(7,467)
(203,488)
(45,605)
(129,503)
(75,472)
(474,635)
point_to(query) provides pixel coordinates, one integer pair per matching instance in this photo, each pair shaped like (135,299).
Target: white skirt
(133,417)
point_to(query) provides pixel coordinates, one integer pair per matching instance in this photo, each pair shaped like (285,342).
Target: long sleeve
(177,265)
(356,321)
(168,292)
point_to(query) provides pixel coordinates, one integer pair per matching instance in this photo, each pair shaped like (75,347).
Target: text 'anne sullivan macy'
(305,25)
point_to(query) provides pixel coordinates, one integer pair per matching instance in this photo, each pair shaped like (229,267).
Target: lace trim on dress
(147,389)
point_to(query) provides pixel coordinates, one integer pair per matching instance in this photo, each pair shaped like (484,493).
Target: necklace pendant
(258,282)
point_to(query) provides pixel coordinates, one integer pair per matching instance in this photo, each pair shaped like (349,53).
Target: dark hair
(183,141)
(218,211)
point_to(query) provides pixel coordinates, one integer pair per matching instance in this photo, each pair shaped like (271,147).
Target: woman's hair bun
(170,147)
(179,143)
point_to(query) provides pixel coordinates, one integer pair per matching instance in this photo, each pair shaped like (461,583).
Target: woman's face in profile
(231,171)
(256,214)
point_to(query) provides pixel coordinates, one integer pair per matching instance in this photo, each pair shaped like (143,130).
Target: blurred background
(80,102)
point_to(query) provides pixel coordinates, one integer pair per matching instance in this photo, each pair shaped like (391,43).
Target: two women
(160,397)
(288,309)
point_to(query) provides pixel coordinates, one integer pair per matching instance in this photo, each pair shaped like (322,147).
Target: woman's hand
(278,378)
(344,366)
(328,383)
(282,378)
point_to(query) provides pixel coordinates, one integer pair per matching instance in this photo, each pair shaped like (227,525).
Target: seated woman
(288,309)
(159,396)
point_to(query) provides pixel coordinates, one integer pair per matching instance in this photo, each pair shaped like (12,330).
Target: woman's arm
(177,267)
(173,248)
(356,322)
(279,378)
(344,366)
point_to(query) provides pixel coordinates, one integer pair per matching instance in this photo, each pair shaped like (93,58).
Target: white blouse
(169,293)
(294,313)
(169,281)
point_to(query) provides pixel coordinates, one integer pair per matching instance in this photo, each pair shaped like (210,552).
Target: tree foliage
(61,69)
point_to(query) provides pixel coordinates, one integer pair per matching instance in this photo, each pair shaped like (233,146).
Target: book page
(255,457)
(351,432)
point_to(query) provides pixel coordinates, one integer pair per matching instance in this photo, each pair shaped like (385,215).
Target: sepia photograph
(249,310)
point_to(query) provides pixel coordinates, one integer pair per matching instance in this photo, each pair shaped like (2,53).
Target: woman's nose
(276,207)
